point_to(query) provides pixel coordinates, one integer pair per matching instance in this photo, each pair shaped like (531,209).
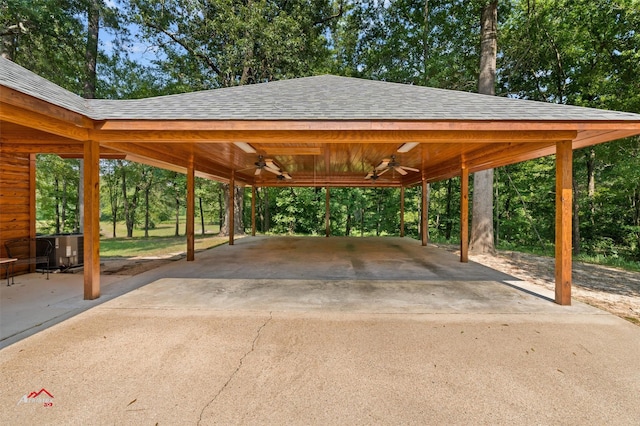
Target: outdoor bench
(22,250)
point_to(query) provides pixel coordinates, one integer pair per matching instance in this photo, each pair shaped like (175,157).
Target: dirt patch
(133,266)
(611,289)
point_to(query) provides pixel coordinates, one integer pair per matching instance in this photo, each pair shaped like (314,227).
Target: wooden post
(327,214)
(191,201)
(232,206)
(402,211)
(564,201)
(424,213)
(91,220)
(253,211)
(464,215)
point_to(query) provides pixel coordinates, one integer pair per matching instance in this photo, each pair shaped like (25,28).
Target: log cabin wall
(17,200)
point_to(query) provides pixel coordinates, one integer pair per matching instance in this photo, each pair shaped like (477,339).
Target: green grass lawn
(161,242)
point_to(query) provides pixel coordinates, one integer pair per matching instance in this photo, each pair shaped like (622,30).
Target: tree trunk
(63,215)
(57,188)
(482,214)
(201,215)
(112,187)
(425,44)
(378,219)
(449,224)
(91,53)
(146,211)
(177,233)
(636,207)
(591,184)
(267,213)
(79,210)
(8,41)
(238,223)
(129,206)
(221,207)
(575,220)
(125,200)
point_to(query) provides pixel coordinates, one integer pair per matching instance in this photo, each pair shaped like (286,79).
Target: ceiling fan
(374,175)
(392,164)
(268,165)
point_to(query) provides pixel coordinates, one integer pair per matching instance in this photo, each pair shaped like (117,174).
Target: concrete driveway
(325,331)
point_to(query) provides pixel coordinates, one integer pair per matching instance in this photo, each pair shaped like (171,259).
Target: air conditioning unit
(68,251)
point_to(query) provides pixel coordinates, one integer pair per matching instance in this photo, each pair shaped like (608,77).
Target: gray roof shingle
(22,80)
(323,97)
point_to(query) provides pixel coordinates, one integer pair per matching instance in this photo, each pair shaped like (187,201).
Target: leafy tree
(110,185)
(57,194)
(586,56)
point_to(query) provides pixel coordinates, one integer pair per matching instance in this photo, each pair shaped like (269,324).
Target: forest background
(579,52)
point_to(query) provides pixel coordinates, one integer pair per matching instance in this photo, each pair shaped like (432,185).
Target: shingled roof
(324,97)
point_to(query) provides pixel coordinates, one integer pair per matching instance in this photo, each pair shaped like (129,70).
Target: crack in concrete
(240,363)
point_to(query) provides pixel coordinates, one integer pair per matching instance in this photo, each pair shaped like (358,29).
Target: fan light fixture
(245,147)
(406,147)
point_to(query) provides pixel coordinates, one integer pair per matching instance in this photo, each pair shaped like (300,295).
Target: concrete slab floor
(239,337)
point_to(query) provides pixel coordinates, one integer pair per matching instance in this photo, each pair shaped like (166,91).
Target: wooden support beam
(253,211)
(232,207)
(44,123)
(464,215)
(91,220)
(402,211)
(191,201)
(327,213)
(424,214)
(320,131)
(564,200)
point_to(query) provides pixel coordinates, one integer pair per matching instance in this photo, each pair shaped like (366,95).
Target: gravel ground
(613,290)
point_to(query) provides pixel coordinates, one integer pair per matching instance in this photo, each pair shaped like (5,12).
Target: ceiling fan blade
(383,164)
(368,176)
(271,165)
(286,175)
(275,172)
(411,169)
(258,171)
(384,171)
(399,170)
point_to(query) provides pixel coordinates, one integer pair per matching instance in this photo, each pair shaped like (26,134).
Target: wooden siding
(15,200)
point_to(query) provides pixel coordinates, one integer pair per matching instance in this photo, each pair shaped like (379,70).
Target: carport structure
(323,131)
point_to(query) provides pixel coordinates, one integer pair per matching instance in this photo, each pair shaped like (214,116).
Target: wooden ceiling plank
(273,151)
